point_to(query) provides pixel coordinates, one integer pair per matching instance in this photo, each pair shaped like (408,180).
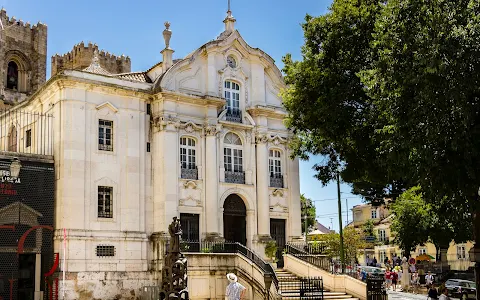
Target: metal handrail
(230,247)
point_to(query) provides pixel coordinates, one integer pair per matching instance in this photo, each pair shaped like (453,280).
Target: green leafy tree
(388,90)
(353,242)
(412,220)
(308,211)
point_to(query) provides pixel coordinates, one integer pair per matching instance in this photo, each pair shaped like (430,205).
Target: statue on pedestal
(174,272)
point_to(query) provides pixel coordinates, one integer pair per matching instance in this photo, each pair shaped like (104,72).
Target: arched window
(232,96)
(12,139)
(12,76)
(233,158)
(275,168)
(188,158)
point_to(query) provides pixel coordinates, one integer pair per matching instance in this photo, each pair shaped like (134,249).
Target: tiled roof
(322,228)
(135,76)
(95,67)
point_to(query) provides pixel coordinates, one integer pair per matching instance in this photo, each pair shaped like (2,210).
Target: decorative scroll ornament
(212,129)
(261,138)
(160,122)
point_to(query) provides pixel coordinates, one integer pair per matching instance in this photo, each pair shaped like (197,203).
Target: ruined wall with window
(23,59)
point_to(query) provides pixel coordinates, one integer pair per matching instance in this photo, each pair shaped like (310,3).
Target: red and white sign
(411,261)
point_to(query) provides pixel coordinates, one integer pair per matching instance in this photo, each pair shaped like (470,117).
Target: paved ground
(406,296)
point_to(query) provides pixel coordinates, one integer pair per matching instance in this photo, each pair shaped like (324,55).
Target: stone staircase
(289,286)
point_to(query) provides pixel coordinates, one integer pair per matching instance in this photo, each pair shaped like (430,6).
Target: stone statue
(167,34)
(174,271)
(175,231)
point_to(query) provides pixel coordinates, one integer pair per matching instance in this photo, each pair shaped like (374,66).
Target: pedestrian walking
(415,282)
(234,291)
(444,295)
(388,278)
(394,280)
(432,293)
(429,279)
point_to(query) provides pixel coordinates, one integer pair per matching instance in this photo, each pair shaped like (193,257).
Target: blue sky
(134,28)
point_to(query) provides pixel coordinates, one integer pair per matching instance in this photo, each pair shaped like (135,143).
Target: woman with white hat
(234,291)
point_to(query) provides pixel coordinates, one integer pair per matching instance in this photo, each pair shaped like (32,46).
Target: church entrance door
(234,220)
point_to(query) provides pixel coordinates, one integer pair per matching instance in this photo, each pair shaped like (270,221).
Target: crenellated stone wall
(81,57)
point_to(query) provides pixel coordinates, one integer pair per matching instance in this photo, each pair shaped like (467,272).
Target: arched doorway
(234,220)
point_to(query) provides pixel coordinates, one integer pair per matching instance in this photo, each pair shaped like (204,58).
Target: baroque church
(200,138)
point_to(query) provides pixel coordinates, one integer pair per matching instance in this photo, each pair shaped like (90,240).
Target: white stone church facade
(201,138)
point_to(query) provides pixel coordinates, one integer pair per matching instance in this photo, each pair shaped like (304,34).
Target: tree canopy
(388,92)
(308,211)
(353,241)
(416,222)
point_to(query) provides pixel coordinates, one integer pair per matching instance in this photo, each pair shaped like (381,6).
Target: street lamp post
(342,255)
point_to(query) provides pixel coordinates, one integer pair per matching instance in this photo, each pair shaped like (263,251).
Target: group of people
(391,279)
(433,293)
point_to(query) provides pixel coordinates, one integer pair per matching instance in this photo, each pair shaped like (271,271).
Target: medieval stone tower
(23,58)
(81,57)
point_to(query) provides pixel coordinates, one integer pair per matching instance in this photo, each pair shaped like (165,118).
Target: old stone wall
(106,285)
(26,45)
(81,57)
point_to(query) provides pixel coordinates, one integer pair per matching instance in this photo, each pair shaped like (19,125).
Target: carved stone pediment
(190,202)
(278,201)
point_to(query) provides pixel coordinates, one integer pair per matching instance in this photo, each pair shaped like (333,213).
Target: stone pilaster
(211,183)
(263,201)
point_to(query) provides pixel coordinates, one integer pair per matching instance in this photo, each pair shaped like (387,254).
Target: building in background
(201,138)
(23,58)
(457,257)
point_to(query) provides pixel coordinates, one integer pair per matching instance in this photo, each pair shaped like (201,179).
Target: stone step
(335,297)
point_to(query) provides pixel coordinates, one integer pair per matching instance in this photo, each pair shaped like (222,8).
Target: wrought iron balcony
(235,177)
(276,181)
(189,172)
(234,115)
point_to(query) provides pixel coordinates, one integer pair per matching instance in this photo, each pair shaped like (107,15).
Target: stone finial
(167,34)
(229,20)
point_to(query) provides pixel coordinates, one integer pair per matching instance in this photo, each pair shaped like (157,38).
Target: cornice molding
(190,99)
(267,112)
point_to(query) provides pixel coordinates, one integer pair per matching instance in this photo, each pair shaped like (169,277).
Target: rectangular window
(227,156)
(105,135)
(28,138)
(149,109)
(383,255)
(381,235)
(104,250)
(461,254)
(374,213)
(105,202)
(190,227)
(422,251)
(148,147)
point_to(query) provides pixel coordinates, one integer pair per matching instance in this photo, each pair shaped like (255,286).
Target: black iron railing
(189,172)
(234,115)
(230,247)
(310,248)
(26,132)
(235,177)
(276,181)
(320,261)
(301,288)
